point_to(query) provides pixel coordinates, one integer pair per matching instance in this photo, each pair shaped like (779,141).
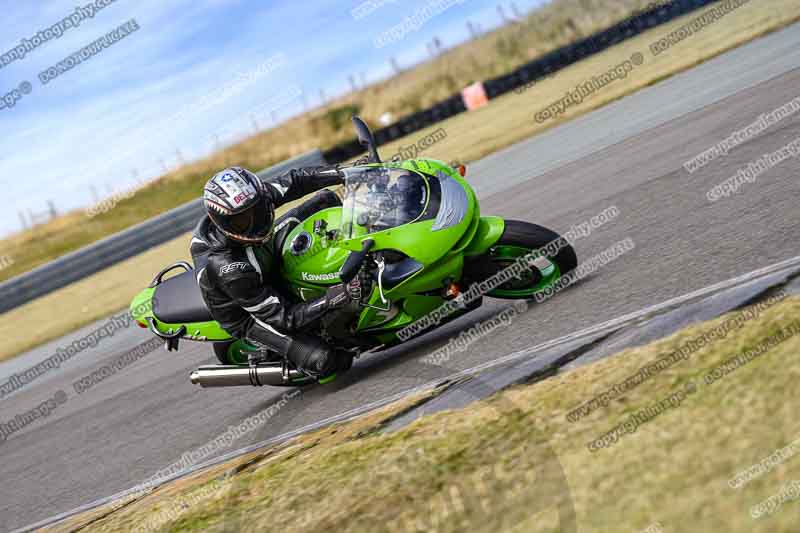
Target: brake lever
(381,267)
(380,262)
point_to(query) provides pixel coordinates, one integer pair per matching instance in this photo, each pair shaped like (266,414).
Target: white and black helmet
(238,204)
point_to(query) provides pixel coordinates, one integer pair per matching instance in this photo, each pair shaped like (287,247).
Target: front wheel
(521,239)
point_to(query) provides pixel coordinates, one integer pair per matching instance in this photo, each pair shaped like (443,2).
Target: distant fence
(527,73)
(128,243)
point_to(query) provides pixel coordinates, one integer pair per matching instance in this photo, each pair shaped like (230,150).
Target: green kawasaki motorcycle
(413,227)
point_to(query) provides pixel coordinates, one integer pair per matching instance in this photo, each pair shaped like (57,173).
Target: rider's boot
(307,353)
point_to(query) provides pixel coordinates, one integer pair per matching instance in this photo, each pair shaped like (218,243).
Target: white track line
(521,354)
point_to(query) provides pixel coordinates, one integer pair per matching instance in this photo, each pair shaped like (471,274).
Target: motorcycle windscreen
(376,199)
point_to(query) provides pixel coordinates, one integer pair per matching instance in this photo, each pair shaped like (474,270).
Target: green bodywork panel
(487,233)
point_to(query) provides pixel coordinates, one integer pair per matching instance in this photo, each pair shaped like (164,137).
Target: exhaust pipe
(236,376)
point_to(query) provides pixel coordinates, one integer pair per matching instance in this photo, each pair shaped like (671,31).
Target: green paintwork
(488,232)
(326,380)
(141,306)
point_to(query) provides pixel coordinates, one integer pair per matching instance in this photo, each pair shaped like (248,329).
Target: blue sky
(193,68)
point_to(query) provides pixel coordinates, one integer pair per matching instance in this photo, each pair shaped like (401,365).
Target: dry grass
(127,513)
(560,23)
(501,464)
(510,118)
(470,136)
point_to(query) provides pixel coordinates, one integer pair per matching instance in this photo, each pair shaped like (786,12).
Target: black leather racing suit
(240,288)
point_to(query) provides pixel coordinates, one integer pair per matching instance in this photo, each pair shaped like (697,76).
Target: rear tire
(230,352)
(221,350)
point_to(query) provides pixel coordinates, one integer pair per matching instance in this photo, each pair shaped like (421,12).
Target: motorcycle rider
(236,251)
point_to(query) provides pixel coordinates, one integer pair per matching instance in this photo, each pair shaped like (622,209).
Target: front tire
(520,239)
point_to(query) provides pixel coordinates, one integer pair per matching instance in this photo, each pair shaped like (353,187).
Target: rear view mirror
(367,139)
(354,261)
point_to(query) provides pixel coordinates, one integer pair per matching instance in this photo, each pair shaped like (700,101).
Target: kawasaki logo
(319,277)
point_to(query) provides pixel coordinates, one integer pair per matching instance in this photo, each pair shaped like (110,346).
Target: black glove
(317,172)
(338,296)
(365,284)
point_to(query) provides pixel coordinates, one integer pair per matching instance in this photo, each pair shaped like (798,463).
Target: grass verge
(480,468)
(504,121)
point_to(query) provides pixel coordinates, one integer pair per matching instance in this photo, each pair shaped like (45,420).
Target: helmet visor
(253,224)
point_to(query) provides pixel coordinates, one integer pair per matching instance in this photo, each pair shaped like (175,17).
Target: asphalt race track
(629,155)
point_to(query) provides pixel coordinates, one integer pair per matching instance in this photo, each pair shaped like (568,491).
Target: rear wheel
(521,239)
(224,353)
(230,352)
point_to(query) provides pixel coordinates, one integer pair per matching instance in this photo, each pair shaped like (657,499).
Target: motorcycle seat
(178,300)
